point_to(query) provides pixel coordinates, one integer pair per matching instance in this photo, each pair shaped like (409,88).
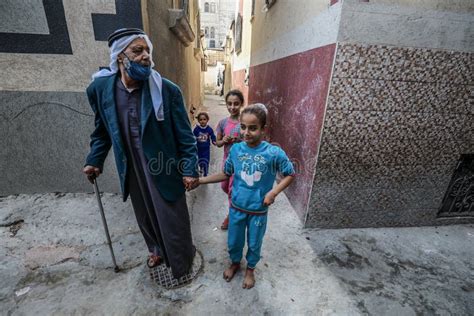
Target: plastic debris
(22,291)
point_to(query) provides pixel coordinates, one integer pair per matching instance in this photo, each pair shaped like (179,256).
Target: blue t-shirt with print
(204,135)
(254,171)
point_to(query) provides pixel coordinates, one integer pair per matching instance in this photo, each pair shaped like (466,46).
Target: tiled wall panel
(396,123)
(380,62)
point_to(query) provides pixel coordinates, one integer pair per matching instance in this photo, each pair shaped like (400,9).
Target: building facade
(242,43)
(216,17)
(373,102)
(52,48)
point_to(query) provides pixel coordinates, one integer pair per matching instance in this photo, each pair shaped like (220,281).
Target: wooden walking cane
(104,222)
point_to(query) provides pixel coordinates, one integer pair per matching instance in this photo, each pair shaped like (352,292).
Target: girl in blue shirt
(254,163)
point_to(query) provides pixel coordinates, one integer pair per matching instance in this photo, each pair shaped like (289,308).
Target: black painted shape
(56,42)
(459,198)
(129,14)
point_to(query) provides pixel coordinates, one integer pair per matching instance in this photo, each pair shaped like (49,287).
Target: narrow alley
(54,263)
(370,100)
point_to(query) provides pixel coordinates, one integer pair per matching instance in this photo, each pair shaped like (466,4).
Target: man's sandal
(153,261)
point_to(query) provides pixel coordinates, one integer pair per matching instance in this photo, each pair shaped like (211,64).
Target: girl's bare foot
(231,271)
(249,279)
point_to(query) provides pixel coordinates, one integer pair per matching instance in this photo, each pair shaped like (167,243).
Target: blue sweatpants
(256,226)
(204,156)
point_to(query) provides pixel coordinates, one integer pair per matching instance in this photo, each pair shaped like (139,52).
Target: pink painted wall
(295,89)
(238,78)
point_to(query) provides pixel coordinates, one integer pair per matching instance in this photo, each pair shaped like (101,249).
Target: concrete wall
(289,28)
(228,58)
(173,60)
(399,114)
(241,60)
(425,24)
(228,72)
(215,65)
(293,46)
(49,51)
(210,79)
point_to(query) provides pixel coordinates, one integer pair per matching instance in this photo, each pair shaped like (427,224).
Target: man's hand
(190,183)
(91,172)
(269,198)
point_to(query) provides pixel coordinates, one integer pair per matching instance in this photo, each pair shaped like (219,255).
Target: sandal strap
(156,260)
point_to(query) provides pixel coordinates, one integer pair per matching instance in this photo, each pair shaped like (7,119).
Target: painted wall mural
(57,40)
(50,49)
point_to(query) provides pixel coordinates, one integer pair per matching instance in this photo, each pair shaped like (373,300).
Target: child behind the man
(204,135)
(254,164)
(228,133)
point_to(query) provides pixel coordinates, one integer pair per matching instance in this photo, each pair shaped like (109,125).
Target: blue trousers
(255,226)
(204,156)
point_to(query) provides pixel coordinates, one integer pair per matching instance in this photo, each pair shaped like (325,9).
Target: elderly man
(143,118)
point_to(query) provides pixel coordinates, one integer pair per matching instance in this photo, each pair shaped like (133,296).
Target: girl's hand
(269,198)
(227,139)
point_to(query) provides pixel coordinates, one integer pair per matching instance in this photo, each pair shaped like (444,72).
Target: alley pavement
(54,260)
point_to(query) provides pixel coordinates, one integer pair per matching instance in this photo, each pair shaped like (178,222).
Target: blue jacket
(167,144)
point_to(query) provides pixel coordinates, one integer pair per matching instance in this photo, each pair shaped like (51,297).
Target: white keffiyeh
(154,81)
